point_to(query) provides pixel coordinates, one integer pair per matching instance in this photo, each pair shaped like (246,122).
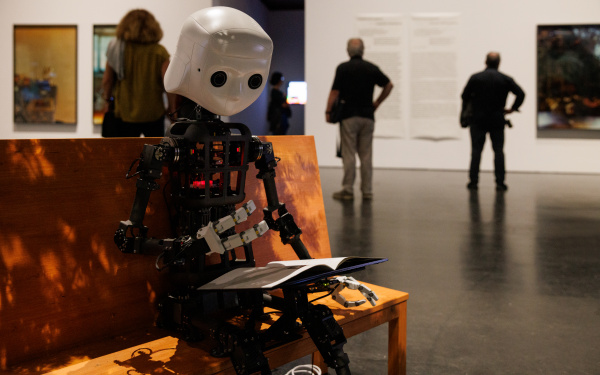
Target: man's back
(356,79)
(487,91)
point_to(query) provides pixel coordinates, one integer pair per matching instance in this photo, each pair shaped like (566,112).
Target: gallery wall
(506,26)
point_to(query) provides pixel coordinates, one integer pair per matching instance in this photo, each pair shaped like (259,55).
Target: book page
(332,263)
(278,272)
(252,278)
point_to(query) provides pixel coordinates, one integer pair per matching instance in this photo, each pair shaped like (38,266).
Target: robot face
(221,62)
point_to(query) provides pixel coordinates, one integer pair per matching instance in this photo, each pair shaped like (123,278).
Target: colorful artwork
(568,81)
(45,74)
(102,35)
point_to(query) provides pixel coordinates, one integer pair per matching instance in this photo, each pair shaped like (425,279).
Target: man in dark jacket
(354,83)
(485,94)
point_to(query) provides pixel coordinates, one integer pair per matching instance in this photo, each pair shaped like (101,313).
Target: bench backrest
(62,279)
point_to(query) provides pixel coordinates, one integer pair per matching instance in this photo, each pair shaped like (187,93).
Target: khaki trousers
(357,138)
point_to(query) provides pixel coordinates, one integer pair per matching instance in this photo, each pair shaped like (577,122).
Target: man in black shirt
(354,84)
(486,94)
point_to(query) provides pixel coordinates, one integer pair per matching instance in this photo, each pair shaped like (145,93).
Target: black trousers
(478,134)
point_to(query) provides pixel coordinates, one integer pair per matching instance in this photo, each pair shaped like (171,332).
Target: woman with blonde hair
(133,79)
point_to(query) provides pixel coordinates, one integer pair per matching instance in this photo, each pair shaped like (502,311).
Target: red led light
(201,184)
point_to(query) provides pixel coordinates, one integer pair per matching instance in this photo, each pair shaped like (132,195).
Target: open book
(281,273)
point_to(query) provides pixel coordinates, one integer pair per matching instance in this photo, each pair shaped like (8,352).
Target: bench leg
(397,341)
(318,360)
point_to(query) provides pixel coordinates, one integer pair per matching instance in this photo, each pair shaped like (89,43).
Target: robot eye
(218,79)
(255,81)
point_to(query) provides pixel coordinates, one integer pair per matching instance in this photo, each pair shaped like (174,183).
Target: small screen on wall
(568,81)
(296,92)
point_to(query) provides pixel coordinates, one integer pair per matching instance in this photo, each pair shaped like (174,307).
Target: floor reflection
(499,283)
(484,264)
(355,229)
(567,254)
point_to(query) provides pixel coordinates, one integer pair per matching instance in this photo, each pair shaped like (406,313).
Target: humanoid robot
(221,62)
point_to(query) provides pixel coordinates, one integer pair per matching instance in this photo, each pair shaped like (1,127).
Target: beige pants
(357,138)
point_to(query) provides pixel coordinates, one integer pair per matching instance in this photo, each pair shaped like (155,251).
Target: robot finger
(256,231)
(240,215)
(369,294)
(344,302)
(249,207)
(354,303)
(351,283)
(247,236)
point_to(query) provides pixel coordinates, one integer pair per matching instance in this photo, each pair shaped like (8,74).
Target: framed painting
(568,81)
(45,74)
(102,35)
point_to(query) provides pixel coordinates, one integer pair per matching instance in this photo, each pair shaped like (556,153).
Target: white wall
(507,26)
(84,14)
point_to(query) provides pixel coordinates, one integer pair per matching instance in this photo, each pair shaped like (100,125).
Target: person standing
(354,84)
(484,97)
(135,68)
(279,110)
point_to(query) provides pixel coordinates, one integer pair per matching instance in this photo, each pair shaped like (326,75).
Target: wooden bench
(71,303)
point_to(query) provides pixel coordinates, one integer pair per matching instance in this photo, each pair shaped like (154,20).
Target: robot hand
(210,233)
(341,282)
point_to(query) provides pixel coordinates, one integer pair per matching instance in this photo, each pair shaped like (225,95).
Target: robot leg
(328,336)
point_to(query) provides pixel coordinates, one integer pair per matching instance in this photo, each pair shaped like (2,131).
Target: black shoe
(501,187)
(472,186)
(343,195)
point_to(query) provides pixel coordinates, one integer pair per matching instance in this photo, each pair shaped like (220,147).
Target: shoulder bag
(336,111)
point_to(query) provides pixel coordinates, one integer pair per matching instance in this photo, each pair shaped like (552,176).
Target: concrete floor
(499,283)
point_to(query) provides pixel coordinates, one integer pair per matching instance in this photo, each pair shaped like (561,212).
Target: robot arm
(131,234)
(285,225)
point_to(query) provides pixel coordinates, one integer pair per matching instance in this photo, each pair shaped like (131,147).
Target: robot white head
(222,60)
